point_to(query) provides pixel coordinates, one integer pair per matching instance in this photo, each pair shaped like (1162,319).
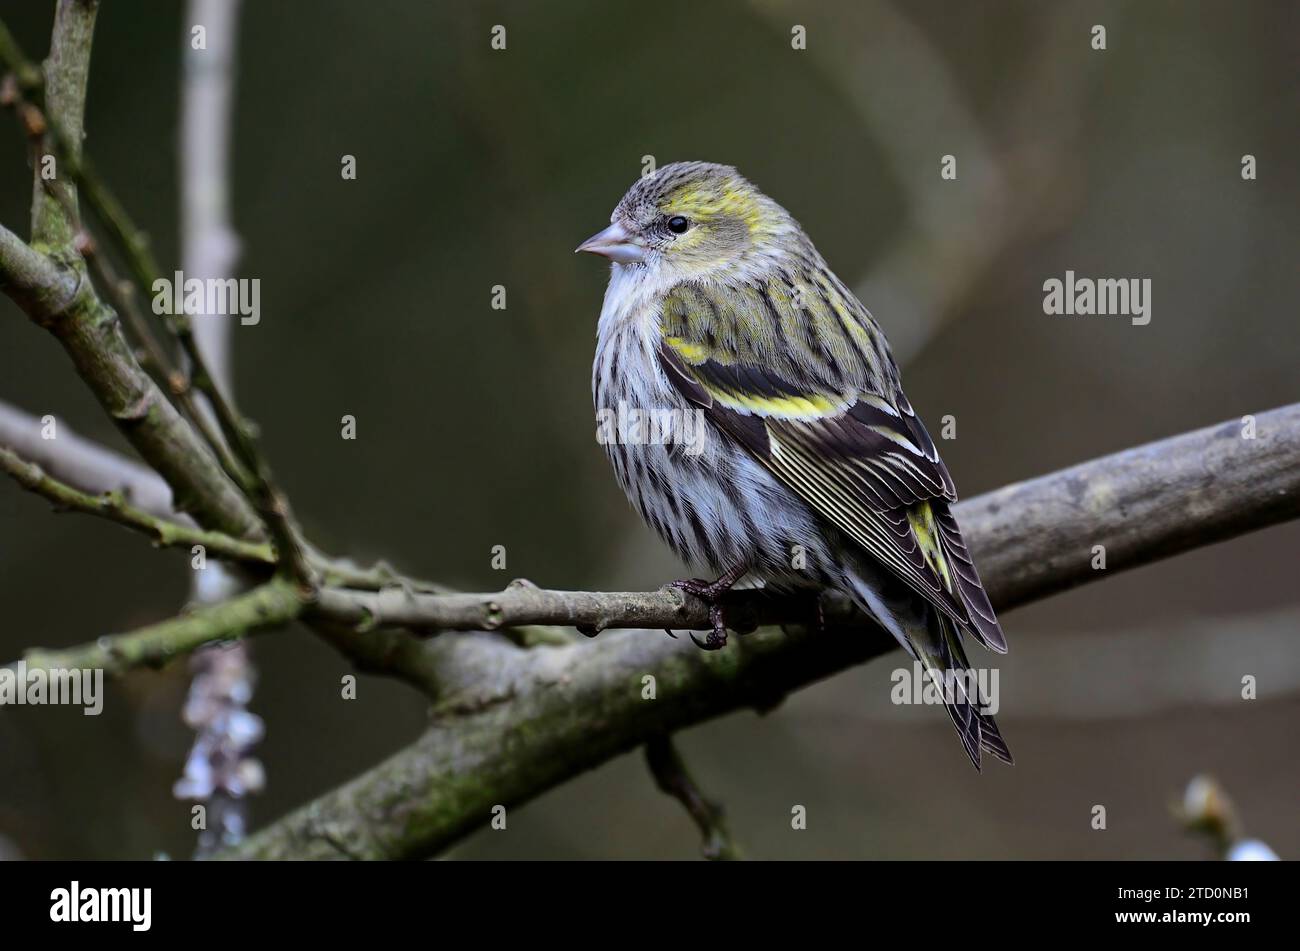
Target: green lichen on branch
(274,603)
(115,507)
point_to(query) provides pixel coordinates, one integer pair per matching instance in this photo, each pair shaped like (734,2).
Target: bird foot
(708,592)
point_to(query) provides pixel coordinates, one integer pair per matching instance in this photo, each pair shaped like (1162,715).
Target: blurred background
(478,167)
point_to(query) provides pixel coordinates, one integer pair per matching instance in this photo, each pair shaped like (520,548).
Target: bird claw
(717,638)
(709,592)
(713,642)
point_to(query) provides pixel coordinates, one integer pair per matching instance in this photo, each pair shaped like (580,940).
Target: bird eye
(678,225)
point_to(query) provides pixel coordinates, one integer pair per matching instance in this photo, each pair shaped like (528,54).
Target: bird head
(690,220)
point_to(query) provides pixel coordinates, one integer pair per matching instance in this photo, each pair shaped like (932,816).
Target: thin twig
(90,331)
(122,296)
(55,219)
(74,27)
(133,241)
(523,603)
(673,778)
(94,469)
(86,465)
(270,605)
(344,573)
(27,73)
(113,505)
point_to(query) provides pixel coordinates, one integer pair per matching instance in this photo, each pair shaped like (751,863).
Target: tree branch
(274,603)
(673,779)
(507,724)
(90,333)
(94,469)
(66,73)
(134,245)
(83,464)
(31,279)
(88,330)
(1030,539)
(113,506)
(133,241)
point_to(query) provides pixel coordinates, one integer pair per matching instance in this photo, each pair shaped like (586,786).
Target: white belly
(701,492)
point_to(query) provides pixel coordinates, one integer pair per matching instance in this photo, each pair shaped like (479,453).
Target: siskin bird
(814,469)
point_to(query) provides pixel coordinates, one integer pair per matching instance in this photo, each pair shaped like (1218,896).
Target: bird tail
(935,641)
(940,651)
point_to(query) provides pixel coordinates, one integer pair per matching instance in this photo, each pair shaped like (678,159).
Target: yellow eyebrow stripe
(729,198)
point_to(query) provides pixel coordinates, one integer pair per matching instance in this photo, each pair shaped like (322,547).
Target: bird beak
(616,243)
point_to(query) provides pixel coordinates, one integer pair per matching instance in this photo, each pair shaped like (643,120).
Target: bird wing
(796,375)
